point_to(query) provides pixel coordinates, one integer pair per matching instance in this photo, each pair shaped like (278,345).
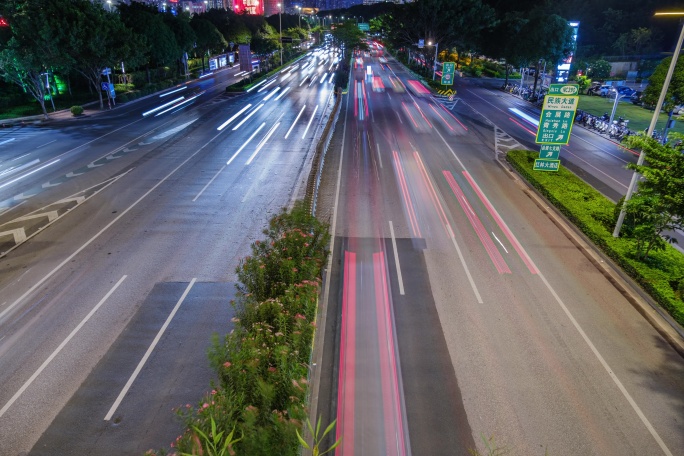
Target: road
(121,232)
(457,310)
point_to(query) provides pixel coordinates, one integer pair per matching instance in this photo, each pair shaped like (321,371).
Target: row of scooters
(618,129)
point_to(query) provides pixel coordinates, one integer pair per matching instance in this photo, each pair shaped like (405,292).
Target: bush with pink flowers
(259,402)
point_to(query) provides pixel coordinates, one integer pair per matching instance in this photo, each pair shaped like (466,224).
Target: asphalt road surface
(457,310)
(120,233)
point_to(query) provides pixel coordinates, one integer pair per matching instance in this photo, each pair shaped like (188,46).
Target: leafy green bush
(262,364)
(590,211)
(76,110)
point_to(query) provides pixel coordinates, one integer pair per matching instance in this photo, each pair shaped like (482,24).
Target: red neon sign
(255,7)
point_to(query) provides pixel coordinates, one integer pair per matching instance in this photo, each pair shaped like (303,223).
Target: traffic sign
(555,122)
(104,86)
(448,69)
(106,71)
(549,151)
(545,164)
(563,89)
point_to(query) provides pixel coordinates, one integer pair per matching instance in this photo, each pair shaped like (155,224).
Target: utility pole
(280,26)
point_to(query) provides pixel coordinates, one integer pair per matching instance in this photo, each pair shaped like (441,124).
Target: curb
(642,303)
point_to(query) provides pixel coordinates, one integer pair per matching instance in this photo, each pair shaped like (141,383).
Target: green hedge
(262,365)
(594,215)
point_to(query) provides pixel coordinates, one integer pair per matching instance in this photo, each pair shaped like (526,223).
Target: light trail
(225,124)
(248,116)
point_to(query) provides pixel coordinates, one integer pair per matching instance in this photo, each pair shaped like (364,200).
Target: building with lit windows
(250,6)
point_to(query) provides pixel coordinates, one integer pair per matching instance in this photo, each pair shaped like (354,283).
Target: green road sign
(448,70)
(365,26)
(564,89)
(549,151)
(555,122)
(545,164)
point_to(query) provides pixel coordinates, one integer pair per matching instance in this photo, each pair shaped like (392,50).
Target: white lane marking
(295,121)
(54,140)
(398,117)
(464,265)
(245,143)
(310,120)
(28,174)
(379,156)
(248,116)
(172,131)
(497,240)
(396,259)
(605,365)
(142,362)
(7,141)
(4,210)
(225,124)
(105,228)
(59,348)
(593,348)
(209,183)
(262,142)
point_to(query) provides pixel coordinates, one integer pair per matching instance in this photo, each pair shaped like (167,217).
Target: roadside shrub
(76,110)
(588,209)
(262,365)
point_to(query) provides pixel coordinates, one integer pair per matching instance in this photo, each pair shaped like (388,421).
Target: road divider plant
(259,400)
(661,274)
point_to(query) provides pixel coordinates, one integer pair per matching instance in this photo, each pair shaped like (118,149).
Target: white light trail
(248,116)
(263,141)
(273,92)
(225,124)
(281,94)
(245,143)
(310,120)
(145,114)
(295,122)
(28,174)
(177,105)
(173,91)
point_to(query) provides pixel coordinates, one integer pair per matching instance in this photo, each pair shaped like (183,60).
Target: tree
(658,204)
(28,48)
(599,69)
(208,37)
(160,46)
(349,35)
(675,91)
(96,39)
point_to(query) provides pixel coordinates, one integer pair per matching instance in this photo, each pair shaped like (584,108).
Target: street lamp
(654,119)
(434,65)
(109,5)
(205,5)
(299,13)
(280,25)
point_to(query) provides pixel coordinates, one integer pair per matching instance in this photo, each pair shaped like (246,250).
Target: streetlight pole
(434,65)
(654,120)
(299,13)
(280,26)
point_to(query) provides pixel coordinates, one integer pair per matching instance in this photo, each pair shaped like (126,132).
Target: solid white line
(245,143)
(6,141)
(262,142)
(248,116)
(58,349)
(142,362)
(396,259)
(208,183)
(99,233)
(295,122)
(605,365)
(310,120)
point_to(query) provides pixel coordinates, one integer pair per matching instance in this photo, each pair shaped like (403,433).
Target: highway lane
(145,264)
(458,310)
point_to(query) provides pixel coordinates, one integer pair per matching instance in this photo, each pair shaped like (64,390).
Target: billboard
(255,7)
